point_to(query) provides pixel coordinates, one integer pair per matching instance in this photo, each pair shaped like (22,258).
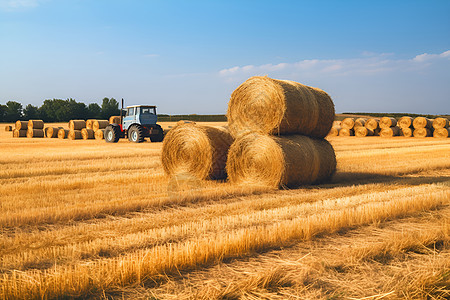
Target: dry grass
(91,219)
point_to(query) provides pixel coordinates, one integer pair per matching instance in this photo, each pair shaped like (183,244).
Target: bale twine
(422,132)
(74,135)
(371,124)
(63,133)
(21,125)
(346,132)
(52,132)
(406,131)
(390,132)
(35,124)
(100,124)
(35,133)
(441,133)
(359,122)
(77,124)
(440,123)
(200,151)
(114,120)
(405,122)
(363,131)
(348,123)
(99,134)
(87,134)
(19,133)
(334,131)
(8,128)
(287,161)
(387,122)
(89,123)
(271,106)
(421,122)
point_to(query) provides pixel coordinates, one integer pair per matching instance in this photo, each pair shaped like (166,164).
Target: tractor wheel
(157,137)
(136,134)
(112,134)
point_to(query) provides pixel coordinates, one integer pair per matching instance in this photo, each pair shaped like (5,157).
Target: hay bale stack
(35,133)
(372,124)
(406,131)
(21,125)
(114,120)
(200,151)
(51,132)
(63,133)
(422,132)
(421,122)
(360,122)
(390,132)
(100,124)
(387,122)
(405,122)
(87,134)
(19,133)
(8,128)
(334,131)
(35,124)
(440,123)
(346,132)
(271,106)
(287,161)
(441,133)
(99,134)
(90,123)
(348,123)
(77,124)
(74,135)
(362,131)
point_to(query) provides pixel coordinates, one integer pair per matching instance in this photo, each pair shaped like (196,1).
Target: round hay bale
(362,131)
(77,124)
(35,133)
(421,122)
(63,133)
(334,131)
(372,124)
(114,120)
(200,151)
(422,132)
(406,131)
(405,122)
(390,132)
(387,122)
(19,133)
(87,134)
(440,123)
(8,128)
(346,132)
(441,133)
(74,135)
(35,124)
(360,122)
(99,134)
(348,123)
(287,161)
(21,125)
(100,124)
(90,123)
(51,132)
(271,106)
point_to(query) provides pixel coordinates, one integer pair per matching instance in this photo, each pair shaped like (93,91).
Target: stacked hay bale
(98,127)
(63,133)
(75,127)
(388,127)
(51,132)
(334,131)
(21,128)
(114,120)
(406,126)
(347,127)
(423,127)
(441,128)
(35,129)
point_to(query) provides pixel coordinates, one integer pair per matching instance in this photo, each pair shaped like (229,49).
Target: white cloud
(9,5)
(427,57)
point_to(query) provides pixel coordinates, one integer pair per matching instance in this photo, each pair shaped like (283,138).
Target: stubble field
(91,219)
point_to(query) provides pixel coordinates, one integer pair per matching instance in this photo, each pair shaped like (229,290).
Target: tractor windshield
(148,111)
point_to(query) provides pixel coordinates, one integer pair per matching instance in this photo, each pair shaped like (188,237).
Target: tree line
(58,110)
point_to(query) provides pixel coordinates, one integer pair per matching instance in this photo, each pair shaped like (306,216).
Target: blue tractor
(138,123)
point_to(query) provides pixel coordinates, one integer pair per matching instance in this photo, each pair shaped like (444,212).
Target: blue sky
(188,56)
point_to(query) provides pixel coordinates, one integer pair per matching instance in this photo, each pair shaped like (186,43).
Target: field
(90,219)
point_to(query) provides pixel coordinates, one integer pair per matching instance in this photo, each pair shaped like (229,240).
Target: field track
(91,219)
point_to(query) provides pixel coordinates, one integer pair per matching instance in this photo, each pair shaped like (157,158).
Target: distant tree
(3,112)
(13,111)
(77,110)
(94,111)
(30,112)
(110,107)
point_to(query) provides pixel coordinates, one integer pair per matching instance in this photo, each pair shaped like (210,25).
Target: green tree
(110,107)
(13,111)
(3,112)
(94,111)
(30,112)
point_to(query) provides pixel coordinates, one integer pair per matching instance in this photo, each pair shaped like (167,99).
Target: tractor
(138,123)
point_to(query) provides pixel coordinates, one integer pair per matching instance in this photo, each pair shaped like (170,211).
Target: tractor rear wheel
(136,134)
(155,138)
(112,134)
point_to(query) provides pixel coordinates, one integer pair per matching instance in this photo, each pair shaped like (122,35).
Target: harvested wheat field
(87,219)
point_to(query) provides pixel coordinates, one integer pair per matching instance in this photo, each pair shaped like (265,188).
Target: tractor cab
(139,114)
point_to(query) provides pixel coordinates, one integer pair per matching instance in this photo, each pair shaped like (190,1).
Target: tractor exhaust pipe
(121,111)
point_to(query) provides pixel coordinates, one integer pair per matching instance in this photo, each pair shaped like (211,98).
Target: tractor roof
(141,106)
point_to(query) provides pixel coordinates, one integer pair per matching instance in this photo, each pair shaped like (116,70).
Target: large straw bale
(406,131)
(100,134)
(441,132)
(386,122)
(100,124)
(348,123)
(19,133)
(200,151)
(334,131)
(114,120)
(21,125)
(63,133)
(35,133)
(440,123)
(360,122)
(87,134)
(8,128)
(35,124)
(74,135)
(77,124)
(271,106)
(422,132)
(362,131)
(287,161)
(346,132)
(422,122)
(51,132)
(405,122)
(90,123)
(390,131)
(372,124)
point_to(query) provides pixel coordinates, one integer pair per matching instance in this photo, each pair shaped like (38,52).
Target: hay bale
(440,123)
(346,132)
(77,124)
(99,134)
(19,133)
(271,106)
(100,124)
(372,124)
(51,132)
(200,151)
(87,134)
(90,123)
(405,122)
(74,135)
(8,128)
(35,133)
(422,132)
(387,122)
(348,123)
(406,131)
(441,132)
(63,133)
(35,124)
(287,161)
(421,122)
(362,131)
(359,122)
(390,132)
(21,125)
(114,120)
(334,131)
